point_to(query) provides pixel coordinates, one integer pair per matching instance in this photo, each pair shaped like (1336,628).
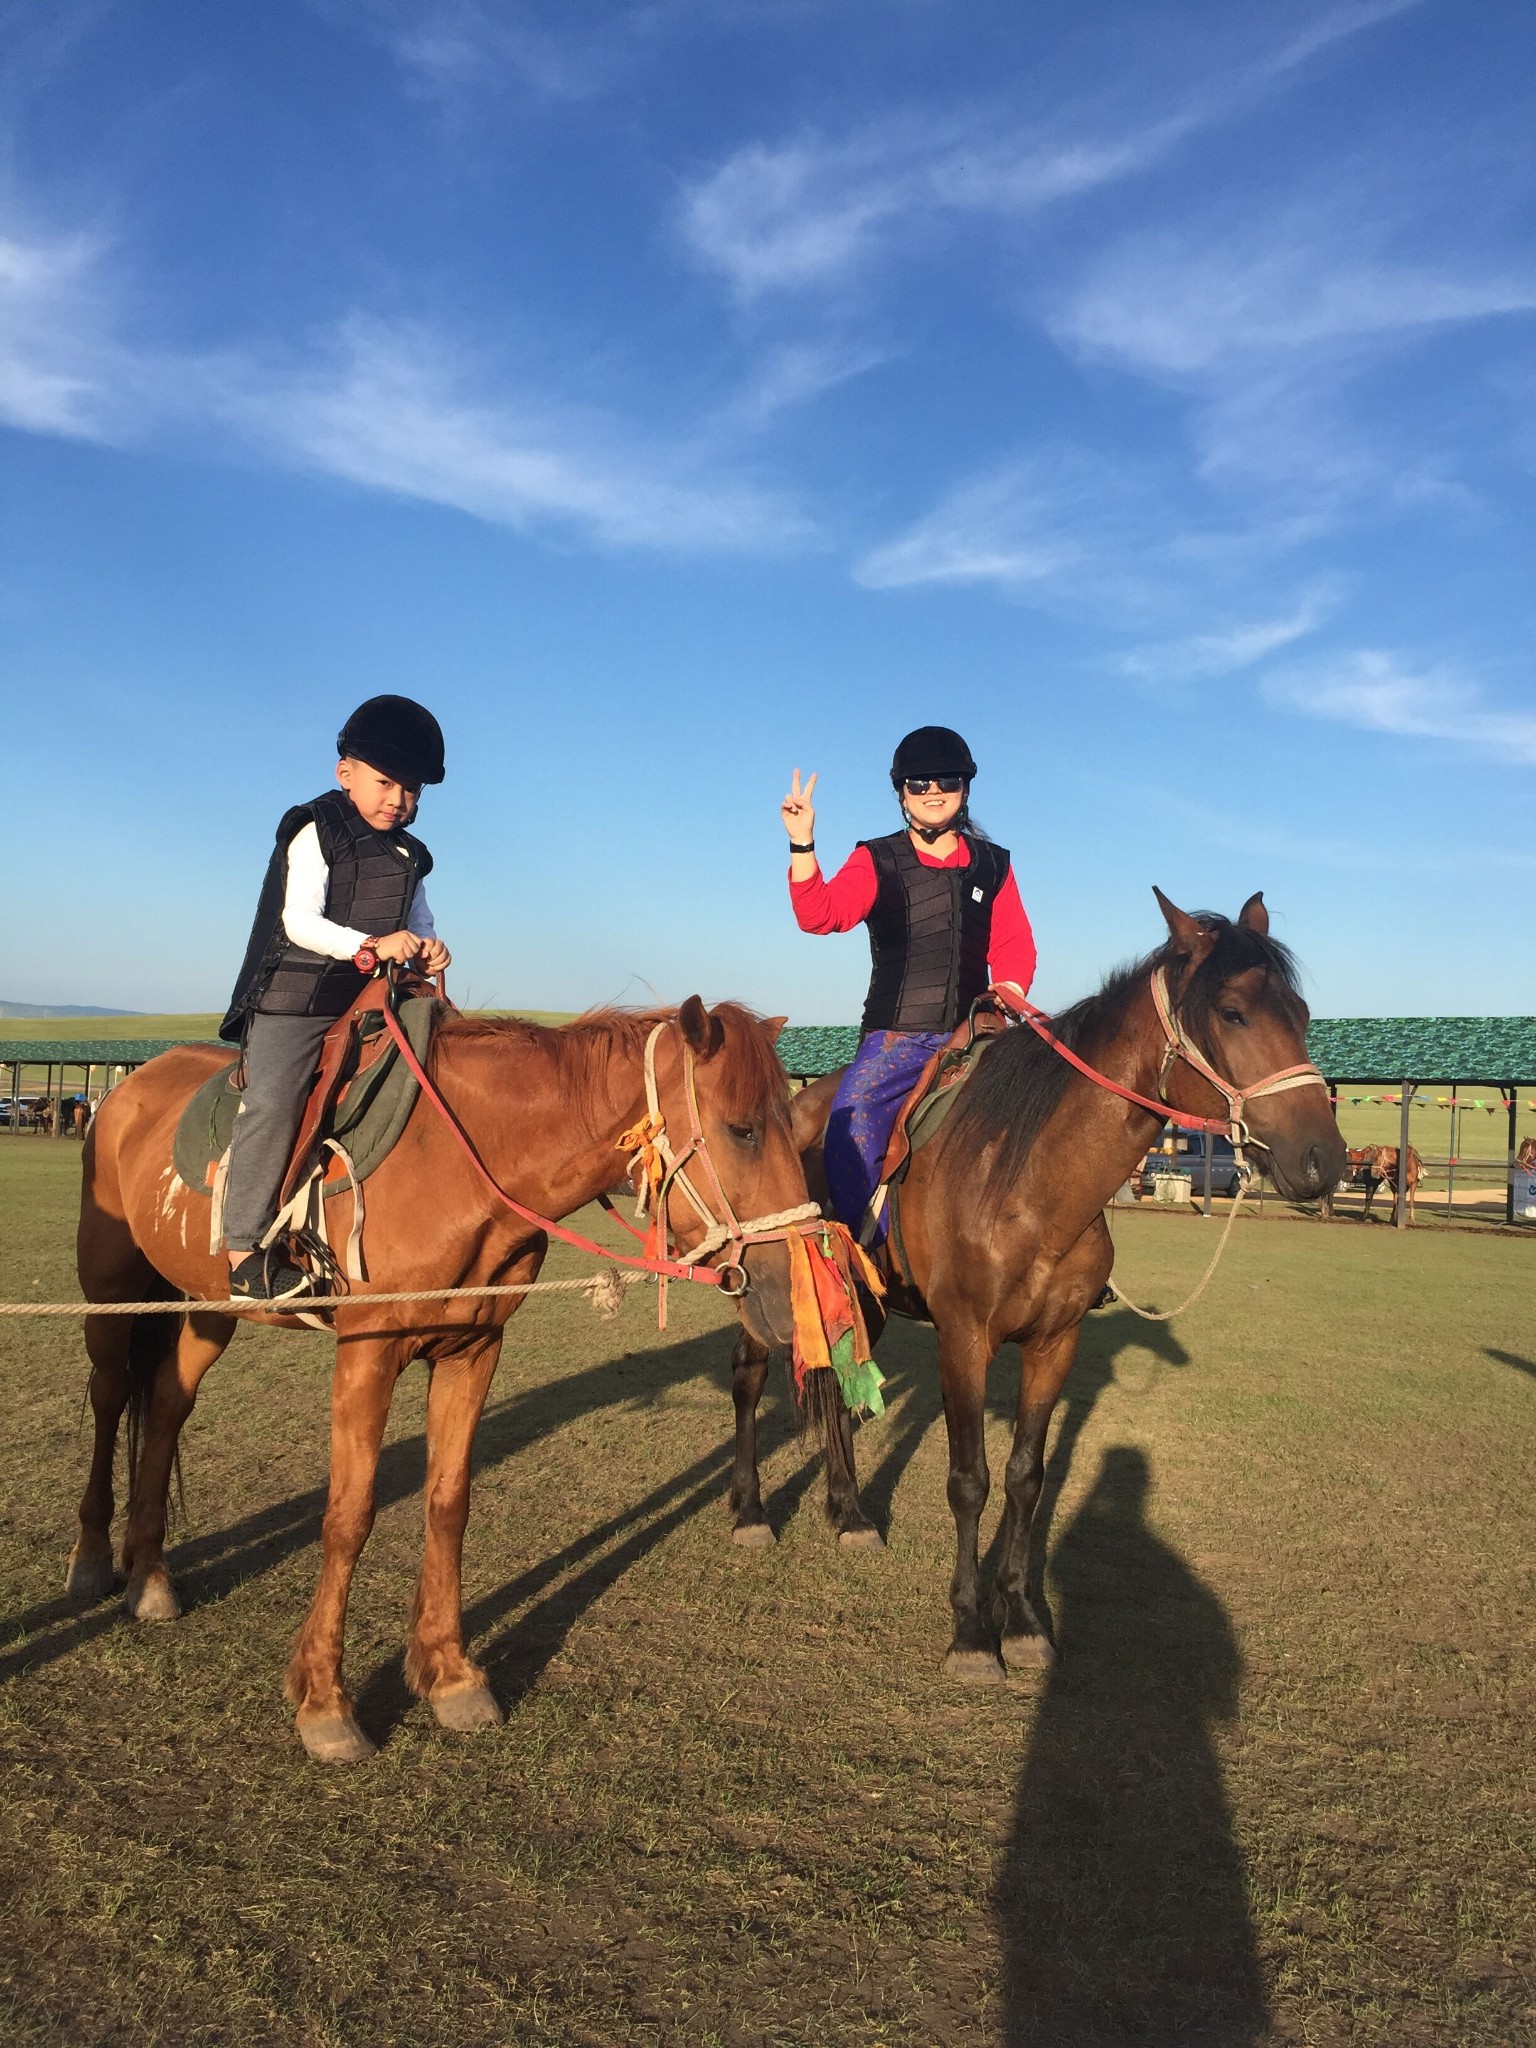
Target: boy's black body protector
(373,880)
(929,930)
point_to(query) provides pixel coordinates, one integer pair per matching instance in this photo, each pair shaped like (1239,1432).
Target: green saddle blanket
(368,1117)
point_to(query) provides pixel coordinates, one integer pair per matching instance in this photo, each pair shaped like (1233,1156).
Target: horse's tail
(151,1341)
(820,1406)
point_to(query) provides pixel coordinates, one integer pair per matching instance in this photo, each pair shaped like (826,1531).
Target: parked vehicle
(1227,1175)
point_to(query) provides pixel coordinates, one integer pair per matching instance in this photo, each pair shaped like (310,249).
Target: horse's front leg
(361,1390)
(964,1353)
(749,1370)
(1044,1370)
(435,1664)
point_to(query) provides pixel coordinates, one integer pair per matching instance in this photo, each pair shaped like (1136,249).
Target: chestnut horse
(544,1109)
(1002,1214)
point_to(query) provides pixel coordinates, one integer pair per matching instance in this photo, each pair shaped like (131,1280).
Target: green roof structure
(93,1052)
(1444,1050)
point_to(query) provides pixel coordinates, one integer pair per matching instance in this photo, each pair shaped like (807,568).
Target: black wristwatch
(809,847)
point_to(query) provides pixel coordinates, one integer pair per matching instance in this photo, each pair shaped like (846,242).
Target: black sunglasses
(919,785)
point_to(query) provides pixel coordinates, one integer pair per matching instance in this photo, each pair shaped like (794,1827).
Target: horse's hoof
(466,1709)
(1028,1653)
(335,1739)
(753,1536)
(861,1539)
(89,1578)
(153,1598)
(974,1667)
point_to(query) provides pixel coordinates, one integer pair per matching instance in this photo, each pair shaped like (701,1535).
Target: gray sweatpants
(280,1057)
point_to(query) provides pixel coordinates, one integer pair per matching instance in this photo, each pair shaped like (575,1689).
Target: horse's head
(1234,993)
(742,1099)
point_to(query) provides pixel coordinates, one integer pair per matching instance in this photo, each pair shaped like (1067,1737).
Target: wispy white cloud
(51,342)
(1372,690)
(796,373)
(1177,307)
(1013,528)
(389,408)
(1232,650)
(803,212)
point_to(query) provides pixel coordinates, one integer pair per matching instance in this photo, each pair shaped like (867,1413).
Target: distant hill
(62,1010)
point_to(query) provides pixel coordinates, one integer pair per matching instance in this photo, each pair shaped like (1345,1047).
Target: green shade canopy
(1444,1050)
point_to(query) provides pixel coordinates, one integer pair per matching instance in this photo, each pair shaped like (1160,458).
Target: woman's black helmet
(932,750)
(397,736)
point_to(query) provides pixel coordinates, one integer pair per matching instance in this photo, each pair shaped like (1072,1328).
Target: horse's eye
(1230,1016)
(744,1134)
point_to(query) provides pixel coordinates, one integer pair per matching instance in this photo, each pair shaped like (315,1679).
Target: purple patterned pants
(863,1115)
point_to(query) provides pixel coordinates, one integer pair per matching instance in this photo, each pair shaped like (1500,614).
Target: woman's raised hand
(799,818)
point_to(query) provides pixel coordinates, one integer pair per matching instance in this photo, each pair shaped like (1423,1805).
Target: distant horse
(1356,1163)
(1002,1213)
(79,1116)
(544,1110)
(43,1115)
(1380,1170)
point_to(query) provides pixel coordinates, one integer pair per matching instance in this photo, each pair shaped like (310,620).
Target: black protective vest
(928,934)
(373,878)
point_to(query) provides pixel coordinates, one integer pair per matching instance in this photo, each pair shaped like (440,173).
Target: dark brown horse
(544,1109)
(1002,1216)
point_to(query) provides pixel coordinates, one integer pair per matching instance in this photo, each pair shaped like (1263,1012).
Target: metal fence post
(1402,1158)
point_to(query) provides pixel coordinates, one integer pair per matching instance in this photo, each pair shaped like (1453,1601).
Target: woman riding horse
(942,906)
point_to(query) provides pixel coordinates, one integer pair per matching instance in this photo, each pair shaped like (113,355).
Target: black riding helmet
(397,736)
(932,750)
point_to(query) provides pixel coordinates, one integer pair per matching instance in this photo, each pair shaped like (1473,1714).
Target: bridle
(658,1170)
(1178,1045)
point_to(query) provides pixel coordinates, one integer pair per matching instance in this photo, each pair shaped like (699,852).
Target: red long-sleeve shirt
(837,906)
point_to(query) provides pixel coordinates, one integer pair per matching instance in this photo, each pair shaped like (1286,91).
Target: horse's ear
(1190,938)
(702,1029)
(773,1026)
(1253,916)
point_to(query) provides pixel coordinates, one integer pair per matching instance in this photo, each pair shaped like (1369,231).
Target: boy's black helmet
(932,750)
(397,736)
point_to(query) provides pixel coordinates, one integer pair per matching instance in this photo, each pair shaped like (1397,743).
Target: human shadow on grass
(211,1566)
(1121,1902)
(1511,1358)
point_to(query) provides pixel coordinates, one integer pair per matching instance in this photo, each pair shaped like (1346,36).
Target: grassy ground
(1279,1789)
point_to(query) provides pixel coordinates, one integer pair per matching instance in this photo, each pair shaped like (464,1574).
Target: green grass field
(1279,1789)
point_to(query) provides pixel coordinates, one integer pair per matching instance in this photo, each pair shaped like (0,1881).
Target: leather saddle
(361,1091)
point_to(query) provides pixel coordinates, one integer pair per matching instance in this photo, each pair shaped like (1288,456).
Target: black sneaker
(268,1276)
(1107,1298)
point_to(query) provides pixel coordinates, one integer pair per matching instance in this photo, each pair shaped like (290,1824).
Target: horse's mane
(581,1055)
(1010,1097)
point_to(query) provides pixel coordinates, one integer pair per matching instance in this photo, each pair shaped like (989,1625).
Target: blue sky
(672,394)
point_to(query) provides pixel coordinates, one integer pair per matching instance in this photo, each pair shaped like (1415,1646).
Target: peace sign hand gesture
(797,813)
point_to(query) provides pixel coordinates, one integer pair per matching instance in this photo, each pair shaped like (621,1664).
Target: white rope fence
(605,1290)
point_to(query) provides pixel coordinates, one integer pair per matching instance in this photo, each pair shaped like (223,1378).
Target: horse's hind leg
(166,1403)
(90,1575)
(749,1370)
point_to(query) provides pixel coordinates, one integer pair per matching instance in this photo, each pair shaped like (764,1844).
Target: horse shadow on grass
(1511,1359)
(210,1567)
(1121,1903)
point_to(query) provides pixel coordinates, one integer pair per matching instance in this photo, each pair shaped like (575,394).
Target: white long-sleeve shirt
(304,918)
